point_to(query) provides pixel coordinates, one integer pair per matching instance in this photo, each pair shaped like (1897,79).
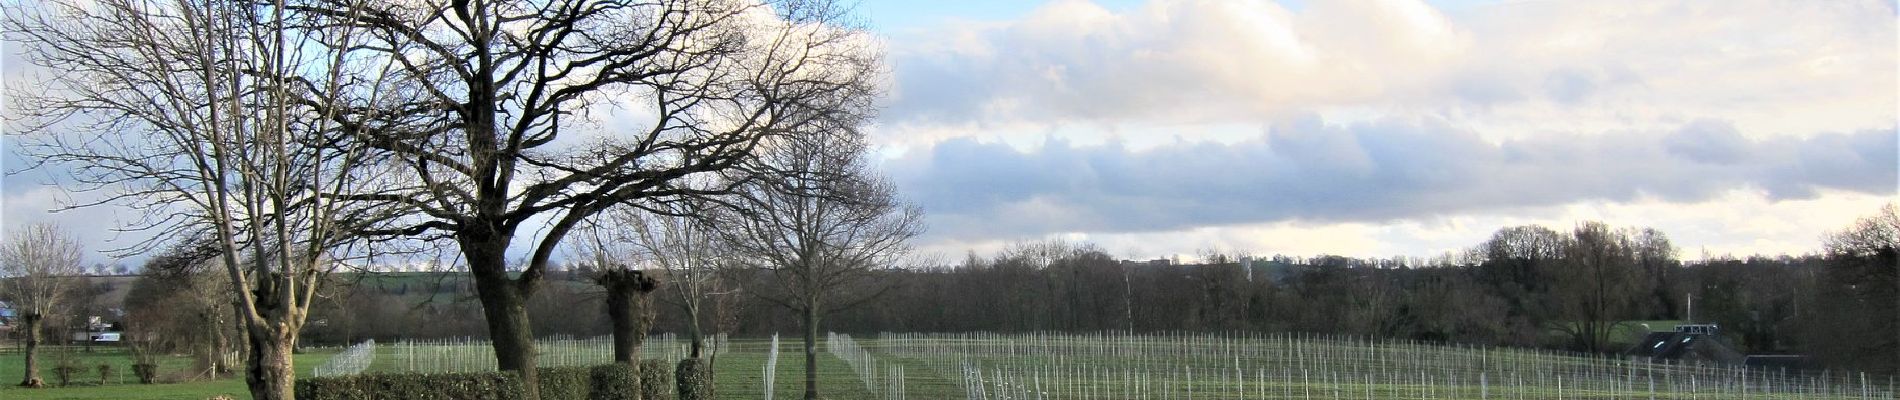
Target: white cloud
(1738,223)
(1390,170)
(1193,60)
(1772,67)
(1433,128)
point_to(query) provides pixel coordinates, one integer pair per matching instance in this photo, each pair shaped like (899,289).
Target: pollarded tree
(212,117)
(38,263)
(602,251)
(686,248)
(821,236)
(492,135)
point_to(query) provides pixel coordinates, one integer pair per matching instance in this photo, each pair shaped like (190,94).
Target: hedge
(656,380)
(612,381)
(454,386)
(561,383)
(695,379)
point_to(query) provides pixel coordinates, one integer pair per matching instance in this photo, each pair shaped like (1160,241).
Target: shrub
(144,364)
(65,374)
(65,365)
(105,373)
(559,383)
(613,382)
(146,372)
(695,378)
(456,386)
(656,380)
(603,382)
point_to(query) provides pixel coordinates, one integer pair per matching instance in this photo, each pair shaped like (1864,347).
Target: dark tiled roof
(1674,346)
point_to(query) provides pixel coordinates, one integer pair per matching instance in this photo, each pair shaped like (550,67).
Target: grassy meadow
(1061,366)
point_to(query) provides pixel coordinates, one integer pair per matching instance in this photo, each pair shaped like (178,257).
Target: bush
(470,386)
(105,373)
(559,383)
(144,364)
(695,378)
(604,382)
(613,382)
(147,373)
(65,374)
(65,365)
(656,380)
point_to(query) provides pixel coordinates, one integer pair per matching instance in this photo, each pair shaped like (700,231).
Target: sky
(1386,128)
(1370,128)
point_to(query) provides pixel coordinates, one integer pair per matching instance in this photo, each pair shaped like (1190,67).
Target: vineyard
(1180,366)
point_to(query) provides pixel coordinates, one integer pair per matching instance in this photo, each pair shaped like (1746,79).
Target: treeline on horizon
(1526,286)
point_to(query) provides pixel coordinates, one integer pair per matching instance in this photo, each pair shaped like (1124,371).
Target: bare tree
(668,236)
(37,264)
(1864,292)
(1657,257)
(198,113)
(686,248)
(1598,285)
(821,236)
(1519,265)
(181,303)
(491,130)
(1869,235)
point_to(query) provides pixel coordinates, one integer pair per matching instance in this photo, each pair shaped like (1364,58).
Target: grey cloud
(1574,85)
(1303,170)
(1707,141)
(1195,61)
(1569,86)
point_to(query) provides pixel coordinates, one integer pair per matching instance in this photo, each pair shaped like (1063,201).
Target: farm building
(1692,344)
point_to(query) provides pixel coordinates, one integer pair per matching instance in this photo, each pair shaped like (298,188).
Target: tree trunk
(505,310)
(31,322)
(620,310)
(270,375)
(231,337)
(509,329)
(693,335)
(628,310)
(811,350)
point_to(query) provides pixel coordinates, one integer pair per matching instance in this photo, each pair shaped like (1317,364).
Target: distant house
(1690,344)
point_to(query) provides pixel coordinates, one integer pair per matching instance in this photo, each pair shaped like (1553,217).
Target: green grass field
(959,366)
(122,384)
(1308,367)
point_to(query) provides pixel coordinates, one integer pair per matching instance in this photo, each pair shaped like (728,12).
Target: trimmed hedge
(456,386)
(559,383)
(695,378)
(604,382)
(656,380)
(614,381)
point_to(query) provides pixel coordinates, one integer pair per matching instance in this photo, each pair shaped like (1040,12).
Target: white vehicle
(108,337)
